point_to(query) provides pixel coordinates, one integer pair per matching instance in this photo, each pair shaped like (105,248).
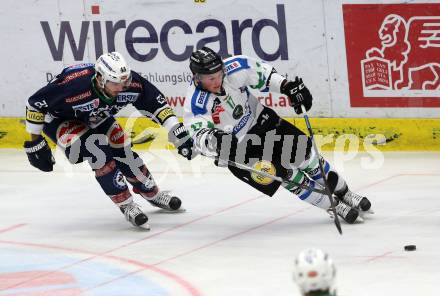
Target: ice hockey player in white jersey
(314,272)
(227,121)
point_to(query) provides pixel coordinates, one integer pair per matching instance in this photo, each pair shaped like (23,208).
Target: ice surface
(60,234)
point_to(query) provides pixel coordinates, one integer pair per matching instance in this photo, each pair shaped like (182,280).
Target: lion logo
(408,61)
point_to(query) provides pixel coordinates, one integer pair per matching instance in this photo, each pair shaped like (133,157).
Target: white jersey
(236,109)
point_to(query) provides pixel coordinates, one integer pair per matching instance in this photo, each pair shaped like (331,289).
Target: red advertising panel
(393,54)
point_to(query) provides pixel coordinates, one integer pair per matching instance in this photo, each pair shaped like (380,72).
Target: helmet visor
(123,81)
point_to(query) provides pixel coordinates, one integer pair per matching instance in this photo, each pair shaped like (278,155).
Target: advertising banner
(393,54)
(358,60)
(157,39)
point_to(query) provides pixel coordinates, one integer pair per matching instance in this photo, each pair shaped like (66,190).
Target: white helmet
(112,67)
(314,271)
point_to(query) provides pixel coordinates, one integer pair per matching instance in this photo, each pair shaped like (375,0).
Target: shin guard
(144,183)
(112,182)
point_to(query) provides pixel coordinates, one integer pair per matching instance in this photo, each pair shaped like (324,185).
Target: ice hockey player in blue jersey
(76,111)
(227,121)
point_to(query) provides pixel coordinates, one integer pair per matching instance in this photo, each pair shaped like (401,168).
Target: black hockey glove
(220,144)
(179,136)
(298,94)
(39,154)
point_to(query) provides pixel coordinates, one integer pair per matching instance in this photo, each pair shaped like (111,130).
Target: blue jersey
(73,95)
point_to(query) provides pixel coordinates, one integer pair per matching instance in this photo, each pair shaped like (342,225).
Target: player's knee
(112,181)
(107,168)
(144,183)
(294,178)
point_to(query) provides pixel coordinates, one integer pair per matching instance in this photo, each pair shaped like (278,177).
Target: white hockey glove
(217,143)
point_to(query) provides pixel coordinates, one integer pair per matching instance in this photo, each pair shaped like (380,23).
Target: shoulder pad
(139,82)
(199,101)
(76,67)
(235,64)
(69,76)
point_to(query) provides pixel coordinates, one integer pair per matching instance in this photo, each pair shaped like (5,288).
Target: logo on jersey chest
(127,97)
(86,107)
(216,114)
(238,112)
(243,121)
(201,99)
(97,115)
(237,109)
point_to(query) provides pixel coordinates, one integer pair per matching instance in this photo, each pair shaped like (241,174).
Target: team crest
(119,181)
(238,112)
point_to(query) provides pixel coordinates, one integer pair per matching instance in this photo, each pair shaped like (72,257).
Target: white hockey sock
(311,167)
(317,199)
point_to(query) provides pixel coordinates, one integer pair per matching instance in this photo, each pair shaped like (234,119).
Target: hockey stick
(321,168)
(267,175)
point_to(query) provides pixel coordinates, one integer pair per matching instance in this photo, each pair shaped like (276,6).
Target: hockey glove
(39,154)
(179,136)
(298,94)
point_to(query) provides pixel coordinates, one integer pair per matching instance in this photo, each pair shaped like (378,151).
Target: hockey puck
(410,248)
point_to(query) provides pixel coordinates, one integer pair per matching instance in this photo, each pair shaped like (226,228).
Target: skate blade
(359,219)
(366,214)
(145,226)
(164,211)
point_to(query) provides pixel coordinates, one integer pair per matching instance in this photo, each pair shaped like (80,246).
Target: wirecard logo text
(159,40)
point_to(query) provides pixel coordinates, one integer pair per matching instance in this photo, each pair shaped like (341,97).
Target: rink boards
(339,134)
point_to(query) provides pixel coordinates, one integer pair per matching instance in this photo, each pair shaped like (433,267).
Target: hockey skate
(166,201)
(135,216)
(356,201)
(349,214)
